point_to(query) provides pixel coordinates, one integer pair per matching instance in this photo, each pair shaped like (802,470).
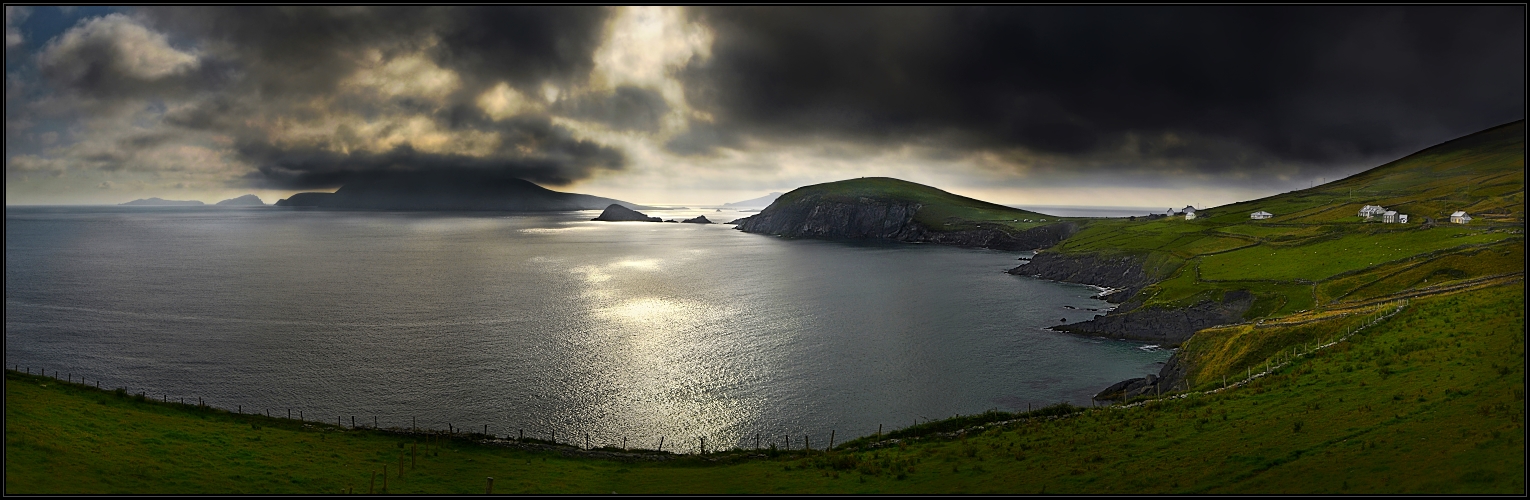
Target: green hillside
(1318,252)
(941,211)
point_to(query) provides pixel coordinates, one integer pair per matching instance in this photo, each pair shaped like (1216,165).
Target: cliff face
(1127,274)
(868,218)
(810,217)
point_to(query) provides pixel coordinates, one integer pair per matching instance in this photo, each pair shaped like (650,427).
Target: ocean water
(546,324)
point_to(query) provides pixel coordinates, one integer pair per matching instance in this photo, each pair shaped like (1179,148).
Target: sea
(550,326)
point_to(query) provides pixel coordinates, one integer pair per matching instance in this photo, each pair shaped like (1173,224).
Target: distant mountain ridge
(449,191)
(246,200)
(763,201)
(157,202)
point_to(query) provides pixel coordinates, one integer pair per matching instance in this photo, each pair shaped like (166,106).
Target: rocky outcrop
(618,213)
(698,220)
(1129,388)
(305,200)
(1126,273)
(1166,326)
(876,219)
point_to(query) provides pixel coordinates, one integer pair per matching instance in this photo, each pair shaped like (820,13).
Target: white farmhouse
(1389,217)
(1260,215)
(1369,211)
(1189,212)
(1460,217)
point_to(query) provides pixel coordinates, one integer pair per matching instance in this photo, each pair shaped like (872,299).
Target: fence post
(661,444)
(489,489)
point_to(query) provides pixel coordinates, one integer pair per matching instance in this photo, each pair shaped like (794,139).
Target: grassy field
(1318,253)
(1430,400)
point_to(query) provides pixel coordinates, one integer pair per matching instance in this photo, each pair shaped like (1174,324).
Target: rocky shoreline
(1120,277)
(1127,275)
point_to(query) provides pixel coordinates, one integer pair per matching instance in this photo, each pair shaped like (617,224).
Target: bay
(547,323)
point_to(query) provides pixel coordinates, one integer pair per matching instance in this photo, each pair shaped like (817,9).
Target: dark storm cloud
(292,63)
(556,158)
(1213,86)
(626,108)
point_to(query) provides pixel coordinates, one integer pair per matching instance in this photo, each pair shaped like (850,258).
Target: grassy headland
(941,211)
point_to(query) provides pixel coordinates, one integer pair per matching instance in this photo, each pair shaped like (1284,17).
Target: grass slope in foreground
(1317,252)
(1428,401)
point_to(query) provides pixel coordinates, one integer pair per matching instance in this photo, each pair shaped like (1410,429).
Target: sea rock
(618,213)
(698,220)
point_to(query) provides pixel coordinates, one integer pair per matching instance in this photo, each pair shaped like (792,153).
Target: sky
(1137,106)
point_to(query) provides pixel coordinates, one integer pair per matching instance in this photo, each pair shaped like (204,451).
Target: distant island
(246,200)
(157,202)
(460,190)
(761,202)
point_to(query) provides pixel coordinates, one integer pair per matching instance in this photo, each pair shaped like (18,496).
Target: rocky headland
(889,219)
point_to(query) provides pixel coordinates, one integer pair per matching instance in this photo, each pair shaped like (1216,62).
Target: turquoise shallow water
(547,323)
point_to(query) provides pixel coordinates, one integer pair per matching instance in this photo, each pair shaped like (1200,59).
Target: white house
(1389,217)
(1189,212)
(1460,217)
(1369,211)
(1260,215)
